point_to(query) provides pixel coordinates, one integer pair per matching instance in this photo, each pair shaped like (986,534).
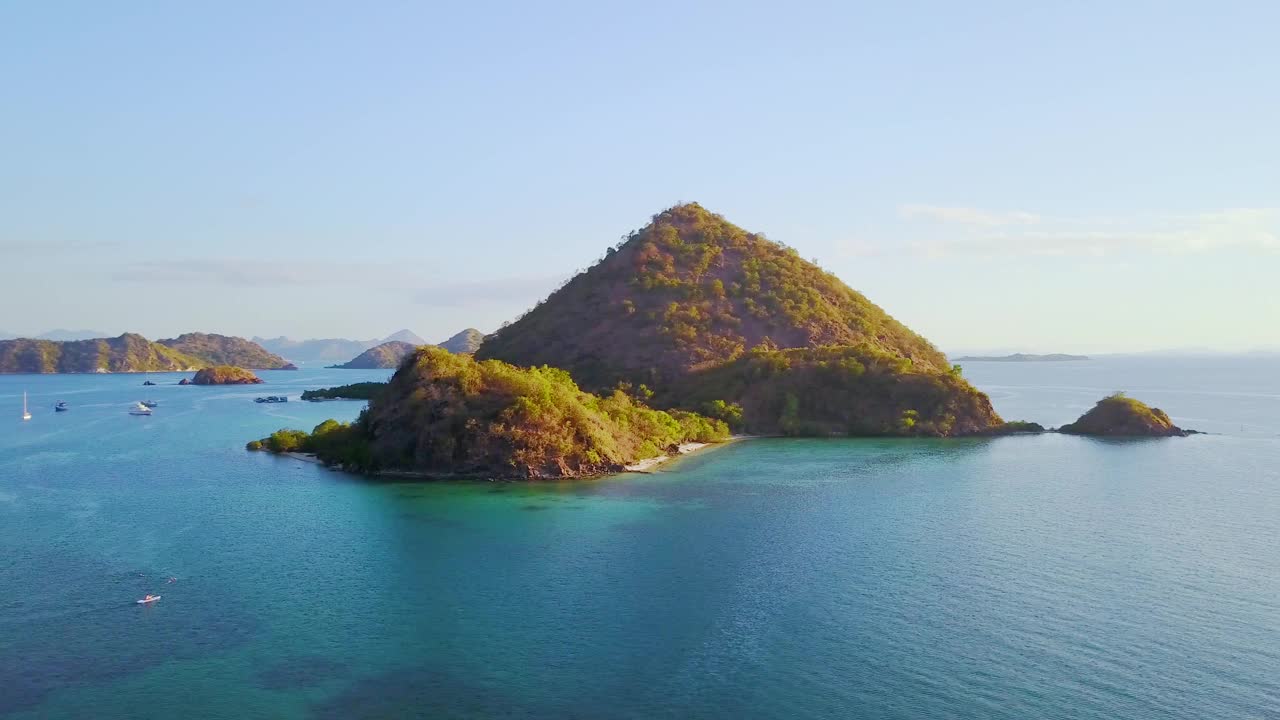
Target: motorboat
(148,599)
(61,406)
(139,409)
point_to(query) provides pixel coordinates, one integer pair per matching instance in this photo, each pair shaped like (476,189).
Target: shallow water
(1044,576)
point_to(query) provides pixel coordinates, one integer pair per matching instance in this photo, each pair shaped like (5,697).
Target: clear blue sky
(1087,176)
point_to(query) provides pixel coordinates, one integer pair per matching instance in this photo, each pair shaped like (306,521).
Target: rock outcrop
(1120,416)
(225,375)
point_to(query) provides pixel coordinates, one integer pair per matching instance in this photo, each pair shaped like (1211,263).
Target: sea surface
(1021,577)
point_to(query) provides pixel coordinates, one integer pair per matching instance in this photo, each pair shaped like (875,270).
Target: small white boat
(26,414)
(140,409)
(148,599)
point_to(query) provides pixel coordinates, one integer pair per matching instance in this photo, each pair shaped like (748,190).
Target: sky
(1053,177)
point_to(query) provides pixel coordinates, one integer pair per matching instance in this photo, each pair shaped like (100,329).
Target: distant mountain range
(328,351)
(323,351)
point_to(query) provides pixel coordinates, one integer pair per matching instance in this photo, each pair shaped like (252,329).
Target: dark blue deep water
(1023,577)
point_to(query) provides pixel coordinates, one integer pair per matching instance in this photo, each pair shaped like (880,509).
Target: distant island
(1023,357)
(225,375)
(386,355)
(131,352)
(329,351)
(390,354)
(128,353)
(227,350)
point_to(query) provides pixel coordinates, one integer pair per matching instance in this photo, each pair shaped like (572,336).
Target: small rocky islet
(1119,415)
(225,375)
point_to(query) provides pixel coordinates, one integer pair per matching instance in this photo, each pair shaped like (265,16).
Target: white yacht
(139,409)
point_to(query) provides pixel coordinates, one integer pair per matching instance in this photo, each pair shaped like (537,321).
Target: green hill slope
(691,305)
(445,413)
(688,291)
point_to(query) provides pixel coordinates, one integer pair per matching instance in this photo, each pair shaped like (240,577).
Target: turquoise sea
(1021,577)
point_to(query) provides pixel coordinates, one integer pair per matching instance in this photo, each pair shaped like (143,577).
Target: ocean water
(1021,577)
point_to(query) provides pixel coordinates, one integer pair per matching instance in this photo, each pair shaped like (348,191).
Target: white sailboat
(26,414)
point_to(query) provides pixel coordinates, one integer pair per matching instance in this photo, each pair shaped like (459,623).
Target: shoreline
(684,450)
(642,467)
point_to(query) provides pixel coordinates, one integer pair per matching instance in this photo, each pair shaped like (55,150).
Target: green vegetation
(447,414)
(225,350)
(339,444)
(1120,416)
(1016,427)
(356,391)
(467,341)
(127,353)
(386,355)
(836,390)
(721,321)
(688,291)
(225,375)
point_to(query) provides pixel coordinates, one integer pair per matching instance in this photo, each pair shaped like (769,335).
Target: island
(1118,415)
(1023,357)
(324,351)
(688,329)
(355,391)
(129,352)
(216,349)
(391,353)
(387,355)
(448,415)
(225,375)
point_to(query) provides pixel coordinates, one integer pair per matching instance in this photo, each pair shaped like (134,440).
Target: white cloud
(1251,229)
